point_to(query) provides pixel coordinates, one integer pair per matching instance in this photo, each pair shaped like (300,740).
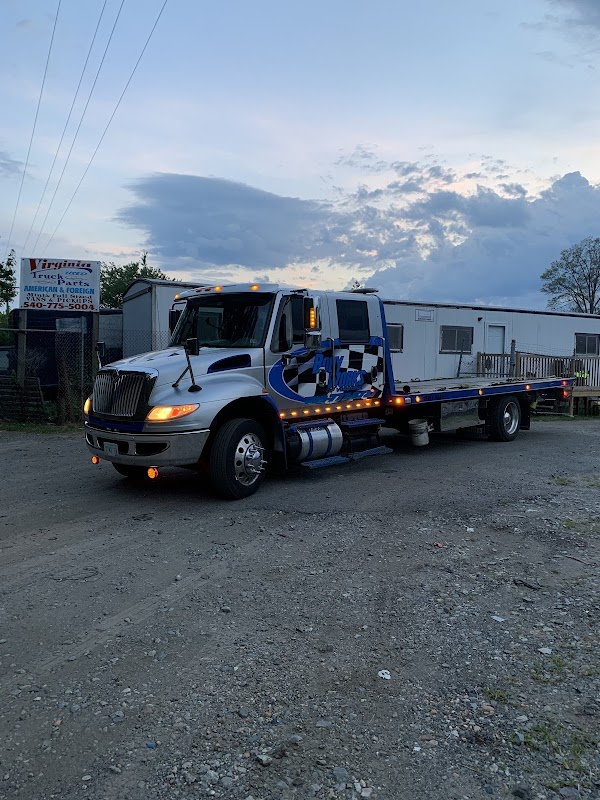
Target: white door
(496,339)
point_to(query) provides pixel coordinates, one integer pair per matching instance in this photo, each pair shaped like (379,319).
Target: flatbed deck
(440,389)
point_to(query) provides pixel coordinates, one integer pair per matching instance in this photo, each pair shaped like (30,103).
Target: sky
(441,152)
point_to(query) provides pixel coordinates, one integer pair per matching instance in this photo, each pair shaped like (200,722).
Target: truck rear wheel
(131,471)
(237,459)
(504,418)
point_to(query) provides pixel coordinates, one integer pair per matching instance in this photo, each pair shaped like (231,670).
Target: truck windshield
(225,320)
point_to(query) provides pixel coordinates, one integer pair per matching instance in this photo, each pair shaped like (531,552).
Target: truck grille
(118,394)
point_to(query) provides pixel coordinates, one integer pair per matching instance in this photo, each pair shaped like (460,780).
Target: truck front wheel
(504,418)
(238,459)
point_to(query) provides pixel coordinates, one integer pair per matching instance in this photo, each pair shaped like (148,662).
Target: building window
(395,334)
(353,321)
(586,344)
(455,340)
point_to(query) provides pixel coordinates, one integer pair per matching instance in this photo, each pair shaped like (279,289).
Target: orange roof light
(218,288)
(255,287)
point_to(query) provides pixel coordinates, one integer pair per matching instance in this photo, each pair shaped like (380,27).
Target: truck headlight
(165,413)
(87,406)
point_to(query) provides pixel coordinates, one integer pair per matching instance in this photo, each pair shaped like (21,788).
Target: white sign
(59,284)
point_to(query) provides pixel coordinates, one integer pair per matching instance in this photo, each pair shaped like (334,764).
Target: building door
(496,339)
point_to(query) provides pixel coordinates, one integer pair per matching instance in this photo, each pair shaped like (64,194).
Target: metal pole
(513,359)
(81,366)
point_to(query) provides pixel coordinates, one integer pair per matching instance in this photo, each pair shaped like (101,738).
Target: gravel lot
(418,625)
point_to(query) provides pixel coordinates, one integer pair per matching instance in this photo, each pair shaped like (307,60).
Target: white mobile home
(146,306)
(432,340)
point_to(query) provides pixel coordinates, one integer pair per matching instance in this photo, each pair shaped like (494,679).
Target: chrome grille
(117,393)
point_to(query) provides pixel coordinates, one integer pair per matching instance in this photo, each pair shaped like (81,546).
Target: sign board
(59,284)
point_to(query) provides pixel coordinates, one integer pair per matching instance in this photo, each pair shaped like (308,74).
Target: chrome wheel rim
(248,460)
(511,418)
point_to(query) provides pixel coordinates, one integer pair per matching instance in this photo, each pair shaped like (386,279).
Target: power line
(78,127)
(37,211)
(107,124)
(37,111)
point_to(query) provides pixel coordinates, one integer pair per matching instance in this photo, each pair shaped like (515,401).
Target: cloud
(581,13)
(8,166)
(439,241)
(221,222)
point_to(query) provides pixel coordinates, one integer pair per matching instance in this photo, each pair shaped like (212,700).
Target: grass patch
(499,695)
(560,480)
(552,671)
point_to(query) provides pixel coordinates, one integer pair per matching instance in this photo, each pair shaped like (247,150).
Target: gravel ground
(418,625)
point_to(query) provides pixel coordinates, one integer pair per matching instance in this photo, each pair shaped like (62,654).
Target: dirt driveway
(418,625)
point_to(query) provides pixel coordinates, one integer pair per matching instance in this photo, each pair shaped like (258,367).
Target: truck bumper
(147,449)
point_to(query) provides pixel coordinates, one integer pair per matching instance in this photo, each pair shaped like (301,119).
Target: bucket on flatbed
(419,433)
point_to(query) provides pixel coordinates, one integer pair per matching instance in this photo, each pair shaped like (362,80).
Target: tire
(131,471)
(504,418)
(237,459)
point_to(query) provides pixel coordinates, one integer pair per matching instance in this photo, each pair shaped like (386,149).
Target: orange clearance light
(328,408)
(294,413)
(282,415)
(152,472)
(359,405)
(306,411)
(367,402)
(177,297)
(255,287)
(348,405)
(481,391)
(95,460)
(417,399)
(527,386)
(312,318)
(317,410)
(338,408)
(376,402)
(218,288)
(399,401)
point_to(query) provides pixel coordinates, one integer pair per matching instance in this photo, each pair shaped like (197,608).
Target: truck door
(358,347)
(297,375)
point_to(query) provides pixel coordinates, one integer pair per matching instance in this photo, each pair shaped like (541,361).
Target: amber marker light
(95,460)
(317,410)
(328,408)
(312,318)
(306,411)
(377,403)
(527,386)
(218,288)
(481,391)
(399,401)
(152,473)
(87,406)
(255,287)
(282,415)
(294,413)
(166,413)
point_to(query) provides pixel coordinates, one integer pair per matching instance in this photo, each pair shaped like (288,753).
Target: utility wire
(78,128)
(107,124)
(37,211)
(37,111)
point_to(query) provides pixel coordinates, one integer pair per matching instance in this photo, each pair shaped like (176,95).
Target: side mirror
(174,314)
(191,347)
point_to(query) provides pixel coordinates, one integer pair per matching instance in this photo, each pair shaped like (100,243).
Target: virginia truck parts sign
(59,284)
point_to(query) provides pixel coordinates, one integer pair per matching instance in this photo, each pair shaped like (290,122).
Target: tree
(114,280)
(573,282)
(8,281)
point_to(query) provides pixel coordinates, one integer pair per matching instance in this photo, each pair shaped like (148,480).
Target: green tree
(8,281)
(114,279)
(573,282)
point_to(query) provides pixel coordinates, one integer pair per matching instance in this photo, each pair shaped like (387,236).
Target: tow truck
(259,376)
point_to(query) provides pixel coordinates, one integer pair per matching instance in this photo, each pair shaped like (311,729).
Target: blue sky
(441,151)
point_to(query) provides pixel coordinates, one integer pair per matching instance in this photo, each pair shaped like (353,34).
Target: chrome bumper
(147,449)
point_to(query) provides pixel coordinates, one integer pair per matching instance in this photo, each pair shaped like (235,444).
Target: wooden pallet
(21,404)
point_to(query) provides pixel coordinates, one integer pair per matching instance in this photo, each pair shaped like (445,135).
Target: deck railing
(585,369)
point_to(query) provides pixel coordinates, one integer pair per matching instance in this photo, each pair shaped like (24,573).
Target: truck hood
(170,363)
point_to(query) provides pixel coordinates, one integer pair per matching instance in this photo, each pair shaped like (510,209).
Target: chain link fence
(45,374)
